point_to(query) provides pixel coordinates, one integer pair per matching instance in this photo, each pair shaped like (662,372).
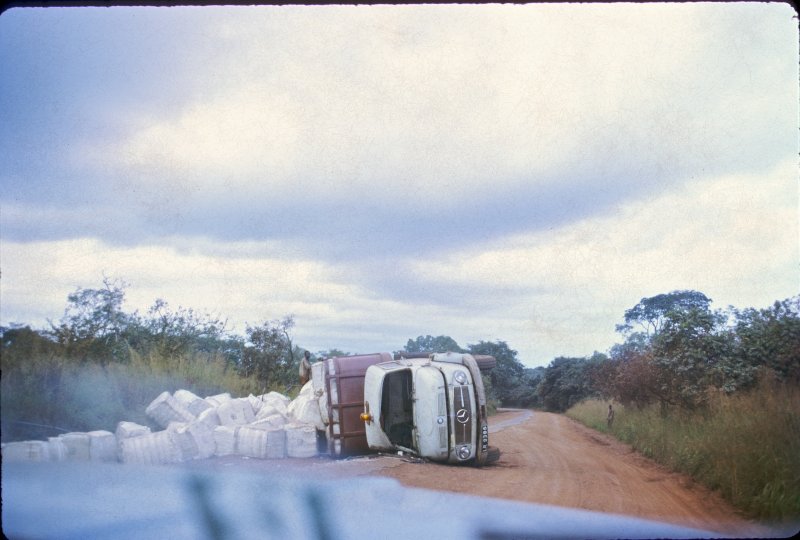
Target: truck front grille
(462,426)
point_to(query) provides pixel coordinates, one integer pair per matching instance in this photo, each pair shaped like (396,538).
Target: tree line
(677,353)
(675,349)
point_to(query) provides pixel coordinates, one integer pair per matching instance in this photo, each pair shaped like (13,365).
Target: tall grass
(47,395)
(746,445)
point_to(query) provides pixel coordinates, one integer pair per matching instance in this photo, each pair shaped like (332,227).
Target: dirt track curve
(551,459)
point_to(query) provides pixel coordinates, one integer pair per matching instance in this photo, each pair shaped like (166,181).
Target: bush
(48,395)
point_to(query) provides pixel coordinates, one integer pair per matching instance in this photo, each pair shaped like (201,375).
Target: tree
(526,394)
(771,337)
(432,344)
(686,349)
(268,354)
(175,332)
(651,313)
(94,323)
(330,353)
(20,344)
(566,381)
(507,375)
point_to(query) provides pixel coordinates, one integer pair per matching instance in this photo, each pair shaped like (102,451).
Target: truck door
(430,413)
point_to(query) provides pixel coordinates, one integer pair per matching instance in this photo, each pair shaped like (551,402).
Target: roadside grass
(745,445)
(49,391)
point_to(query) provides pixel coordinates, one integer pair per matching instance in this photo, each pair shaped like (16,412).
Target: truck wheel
(485,362)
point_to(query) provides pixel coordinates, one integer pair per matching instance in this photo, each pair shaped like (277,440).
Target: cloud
(435,108)
(486,172)
(558,292)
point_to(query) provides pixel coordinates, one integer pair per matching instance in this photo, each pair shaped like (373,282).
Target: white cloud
(436,104)
(734,238)
(554,293)
(536,108)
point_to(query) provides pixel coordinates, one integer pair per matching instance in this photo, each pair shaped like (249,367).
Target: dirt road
(546,458)
(550,459)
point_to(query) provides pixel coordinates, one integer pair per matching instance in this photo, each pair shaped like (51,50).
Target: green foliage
(745,445)
(526,393)
(175,332)
(93,326)
(771,337)
(432,344)
(330,353)
(507,378)
(566,381)
(651,313)
(100,365)
(688,349)
(269,354)
(53,391)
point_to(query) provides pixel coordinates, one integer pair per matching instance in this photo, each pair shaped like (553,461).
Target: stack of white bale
(26,451)
(166,408)
(305,408)
(270,426)
(94,446)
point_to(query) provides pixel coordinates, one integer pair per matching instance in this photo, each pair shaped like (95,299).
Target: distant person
(610,417)
(305,368)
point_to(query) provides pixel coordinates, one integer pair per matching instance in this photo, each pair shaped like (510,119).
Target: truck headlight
(463,452)
(460,377)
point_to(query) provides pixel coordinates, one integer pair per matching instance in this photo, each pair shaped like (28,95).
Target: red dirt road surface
(548,459)
(551,459)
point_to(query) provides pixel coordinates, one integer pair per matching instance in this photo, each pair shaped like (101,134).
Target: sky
(522,173)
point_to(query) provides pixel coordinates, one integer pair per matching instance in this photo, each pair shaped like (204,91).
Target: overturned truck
(431,405)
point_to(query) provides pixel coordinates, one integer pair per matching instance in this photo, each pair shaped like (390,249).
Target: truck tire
(485,362)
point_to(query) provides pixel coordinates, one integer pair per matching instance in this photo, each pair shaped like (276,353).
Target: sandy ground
(549,459)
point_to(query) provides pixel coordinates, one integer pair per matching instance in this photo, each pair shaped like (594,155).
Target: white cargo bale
(174,426)
(26,451)
(195,404)
(318,377)
(274,402)
(126,430)
(165,409)
(102,446)
(225,440)
(77,446)
(195,440)
(219,399)
(209,417)
(275,396)
(272,407)
(56,449)
(306,393)
(182,439)
(322,401)
(305,409)
(151,449)
(255,402)
(261,443)
(269,422)
(235,412)
(301,440)
(203,438)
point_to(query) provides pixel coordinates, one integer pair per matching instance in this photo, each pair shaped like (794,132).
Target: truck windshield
(397,418)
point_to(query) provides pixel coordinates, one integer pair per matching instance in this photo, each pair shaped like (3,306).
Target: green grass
(746,446)
(51,391)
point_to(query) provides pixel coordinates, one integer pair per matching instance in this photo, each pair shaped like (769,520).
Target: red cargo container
(344,385)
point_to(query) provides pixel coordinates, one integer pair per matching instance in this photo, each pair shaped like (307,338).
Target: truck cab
(433,407)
